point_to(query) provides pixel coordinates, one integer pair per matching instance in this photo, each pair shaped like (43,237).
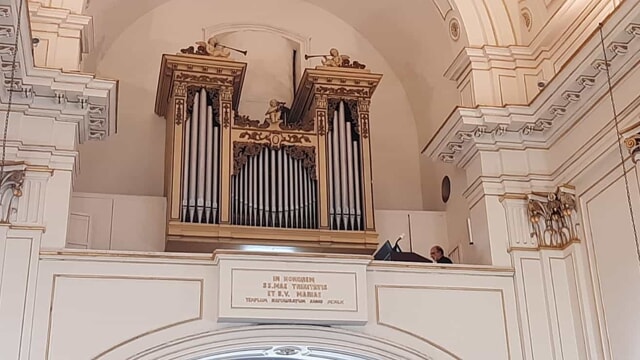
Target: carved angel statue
(276,111)
(214,48)
(334,59)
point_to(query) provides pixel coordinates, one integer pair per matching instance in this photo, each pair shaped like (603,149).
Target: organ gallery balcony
(300,177)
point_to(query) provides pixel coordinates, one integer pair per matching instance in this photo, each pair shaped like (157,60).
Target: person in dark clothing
(437,254)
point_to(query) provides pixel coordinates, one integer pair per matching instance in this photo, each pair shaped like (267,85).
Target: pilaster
(551,284)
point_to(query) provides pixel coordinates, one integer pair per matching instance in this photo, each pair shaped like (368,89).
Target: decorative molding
(243,150)
(538,125)
(36,85)
(527,18)
(276,139)
(553,218)
(454,29)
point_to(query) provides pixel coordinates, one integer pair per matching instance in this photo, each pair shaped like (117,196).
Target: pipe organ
(300,177)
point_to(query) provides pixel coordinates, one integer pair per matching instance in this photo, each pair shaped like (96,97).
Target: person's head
(436,253)
(333,52)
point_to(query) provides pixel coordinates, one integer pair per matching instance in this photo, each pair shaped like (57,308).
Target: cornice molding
(75,97)
(555,110)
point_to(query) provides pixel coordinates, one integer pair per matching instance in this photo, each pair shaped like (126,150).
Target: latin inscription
(286,289)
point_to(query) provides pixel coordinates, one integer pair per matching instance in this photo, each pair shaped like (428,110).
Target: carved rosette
(553,218)
(10,189)
(242,151)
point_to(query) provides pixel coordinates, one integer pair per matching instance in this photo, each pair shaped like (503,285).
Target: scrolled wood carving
(304,125)
(213,96)
(305,153)
(352,106)
(245,122)
(242,151)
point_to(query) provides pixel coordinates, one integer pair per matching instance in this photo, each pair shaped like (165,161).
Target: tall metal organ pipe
(281,191)
(345,205)
(201,163)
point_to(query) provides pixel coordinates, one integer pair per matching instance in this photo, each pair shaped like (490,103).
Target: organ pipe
(345,207)
(201,159)
(306,165)
(283,192)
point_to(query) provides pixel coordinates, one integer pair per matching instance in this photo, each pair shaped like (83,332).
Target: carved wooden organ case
(300,179)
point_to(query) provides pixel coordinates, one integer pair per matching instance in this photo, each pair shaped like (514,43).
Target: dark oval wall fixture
(446,189)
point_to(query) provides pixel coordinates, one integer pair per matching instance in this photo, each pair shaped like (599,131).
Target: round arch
(269,342)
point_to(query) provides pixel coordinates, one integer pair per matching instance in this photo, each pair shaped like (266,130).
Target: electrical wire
(11,90)
(619,141)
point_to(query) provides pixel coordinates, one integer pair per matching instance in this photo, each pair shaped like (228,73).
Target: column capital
(553,218)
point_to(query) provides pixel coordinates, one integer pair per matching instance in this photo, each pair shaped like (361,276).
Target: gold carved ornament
(552,218)
(242,151)
(10,189)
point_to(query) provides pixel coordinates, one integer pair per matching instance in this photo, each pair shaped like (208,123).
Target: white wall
(137,223)
(613,259)
(464,312)
(116,222)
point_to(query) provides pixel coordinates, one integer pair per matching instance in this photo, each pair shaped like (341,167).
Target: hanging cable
(619,140)
(11,90)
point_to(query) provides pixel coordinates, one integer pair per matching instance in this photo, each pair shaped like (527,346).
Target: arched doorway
(272,342)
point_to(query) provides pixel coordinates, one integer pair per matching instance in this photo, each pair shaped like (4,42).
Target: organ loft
(298,175)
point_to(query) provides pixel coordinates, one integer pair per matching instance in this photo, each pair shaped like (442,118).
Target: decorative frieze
(556,110)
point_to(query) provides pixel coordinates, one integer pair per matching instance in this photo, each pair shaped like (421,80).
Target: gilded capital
(552,217)
(633,145)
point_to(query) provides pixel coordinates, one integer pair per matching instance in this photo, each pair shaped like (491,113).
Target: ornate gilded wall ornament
(553,218)
(10,189)
(454,29)
(527,18)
